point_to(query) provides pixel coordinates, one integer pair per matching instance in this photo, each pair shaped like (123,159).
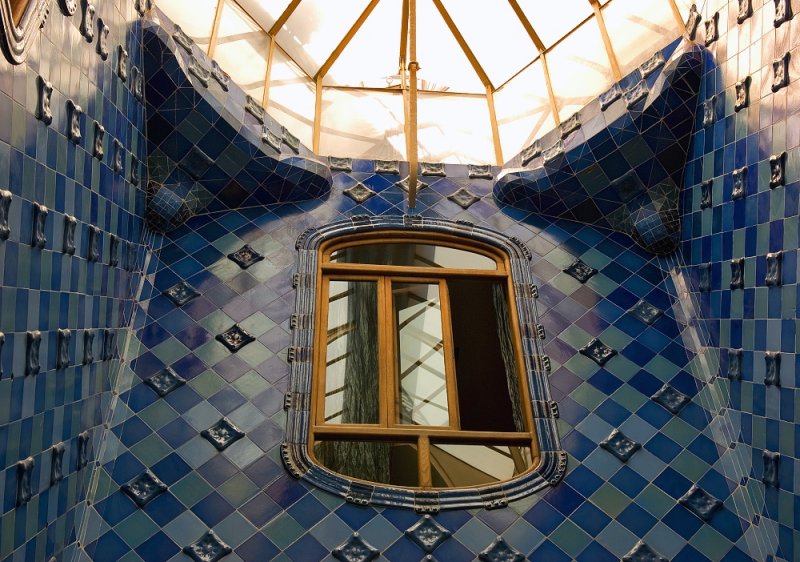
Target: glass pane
(470,465)
(292,97)
(486,368)
(551,23)
(242,48)
(195,17)
(419,255)
(376,461)
(454,128)
(351,363)
(420,355)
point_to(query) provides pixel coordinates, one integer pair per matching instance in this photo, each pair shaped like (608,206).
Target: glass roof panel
(372,56)
(500,57)
(579,69)
(552,21)
(264,12)
(292,97)
(443,65)
(242,47)
(523,110)
(454,128)
(195,17)
(638,28)
(315,28)
(362,124)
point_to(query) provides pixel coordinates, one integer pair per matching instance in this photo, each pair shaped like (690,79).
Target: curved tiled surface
(206,150)
(622,168)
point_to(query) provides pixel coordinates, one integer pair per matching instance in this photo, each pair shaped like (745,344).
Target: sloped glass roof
(494,74)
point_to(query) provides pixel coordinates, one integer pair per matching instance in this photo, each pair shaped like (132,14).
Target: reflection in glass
(416,255)
(454,465)
(376,461)
(420,354)
(351,363)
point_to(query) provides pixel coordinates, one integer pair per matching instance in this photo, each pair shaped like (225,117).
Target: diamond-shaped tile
(340,164)
(580,271)
(598,352)
(646,312)
(643,553)
(700,502)
(222,434)
(620,445)
(500,551)
(245,256)
(181,293)
(208,548)
(427,533)
(144,488)
(234,338)
(670,398)
(355,549)
(359,192)
(464,198)
(387,167)
(403,184)
(165,381)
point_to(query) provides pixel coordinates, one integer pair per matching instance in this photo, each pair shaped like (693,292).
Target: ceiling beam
(498,149)
(317,116)
(268,74)
(678,17)
(601,23)
(537,41)
(287,13)
(463,44)
(404,72)
(326,66)
(212,42)
(413,66)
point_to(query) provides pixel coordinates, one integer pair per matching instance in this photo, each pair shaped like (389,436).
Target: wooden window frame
(303,405)
(21,20)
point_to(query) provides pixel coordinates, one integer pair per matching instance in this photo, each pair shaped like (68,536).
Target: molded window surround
(22,20)
(308,282)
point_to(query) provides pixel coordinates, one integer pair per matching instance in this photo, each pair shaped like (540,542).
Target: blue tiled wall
(761,316)
(48,286)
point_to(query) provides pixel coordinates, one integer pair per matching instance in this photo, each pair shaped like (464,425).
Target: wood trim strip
(473,60)
(601,23)
(212,43)
(326,66)
(276,27)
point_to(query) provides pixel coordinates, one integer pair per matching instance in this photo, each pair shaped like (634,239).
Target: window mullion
(424,461)
(386,353)
(449,357)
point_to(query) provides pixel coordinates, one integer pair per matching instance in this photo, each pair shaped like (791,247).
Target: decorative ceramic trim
(692,22)
(780,72)
(570,125)
(550,154)
(17,38)
(340,164)
(464,198)
(479,171)
(62,348)
(783,12)
(93,246)
(134,170)
(144,488)
(427,533)
(291,141)
(165,381)
(610,96)
(222,77)
(737,273)
(197,69)
(710,111)
(245,256)
(432,169)
(180,293)
(772,373)
(403,184)
(5,205)
(777,169)
(735,364)
(359,192)
(109,344)
(68,7)
(705,194)
(619,445)
(254,108)
(182,39)
(38,236)
(208,548)
(2,343)
(670,398)
(24,481)
(742,92)
(222,434)
(739,184)
(44,89)
(530,152)
(137,83)
(652,64)
(500,551)
(387,167)
(57,463)
(712,29)
(641,552)
(646,312)
(598,352)
(772,463)
(580,271)
(113,250)
(636,93)
(705,277)
(102,38)
(745,11)
(141,7)
(774,274)
(355,549)
(122,63)
(99,135)
(82,459)
(234,338)
(74,112)
(88,347)
(270,138)
(294,450)
(118,157)
(87,21)
(700,502)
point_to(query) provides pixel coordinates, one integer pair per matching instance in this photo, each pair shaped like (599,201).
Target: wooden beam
(413,66)
(326,66)
(212,42)
(679,18)
(527,25)
(404,73)
(550,93)
(317,116)
(276,27)
(498,149)
(268,75)
(463,44)
(601,23)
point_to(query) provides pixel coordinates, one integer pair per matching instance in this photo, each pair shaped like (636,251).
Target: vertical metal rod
(413,66)
(317,115)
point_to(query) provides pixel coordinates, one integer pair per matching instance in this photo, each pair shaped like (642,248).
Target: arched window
(417,373)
